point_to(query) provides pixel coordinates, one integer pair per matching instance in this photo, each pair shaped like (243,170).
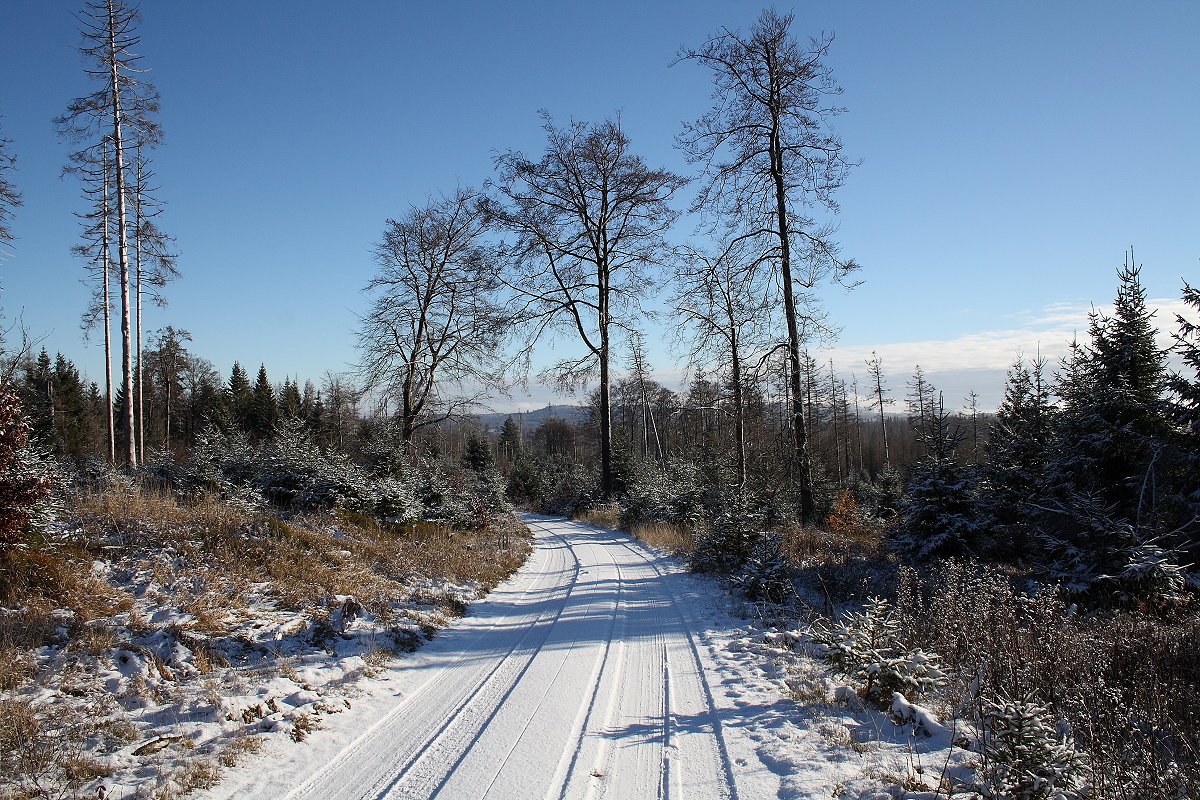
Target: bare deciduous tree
(589,219)
(430,342)
(725,300)
(769,155)
(10,198)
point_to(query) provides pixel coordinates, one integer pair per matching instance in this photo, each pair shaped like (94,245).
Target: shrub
(1025,755)
(866,647)
(766,574)
(25,479)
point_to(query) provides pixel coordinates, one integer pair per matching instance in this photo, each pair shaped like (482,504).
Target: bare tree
(769,154)
(430,342)
(10,198)
(725,301)
(154,265)
(119,113)
(93,166)
(588,218)
(881,400)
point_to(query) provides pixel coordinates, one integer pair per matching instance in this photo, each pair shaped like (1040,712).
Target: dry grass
(666,536)
(207,559)
(608,516)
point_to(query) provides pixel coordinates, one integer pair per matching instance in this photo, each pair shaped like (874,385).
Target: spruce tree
(264,413)
(1114,423)
(240,396)
(1018,449)
(510,440)
(942,518)
(478,456)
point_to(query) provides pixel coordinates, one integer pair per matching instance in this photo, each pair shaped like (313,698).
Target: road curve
(579,678)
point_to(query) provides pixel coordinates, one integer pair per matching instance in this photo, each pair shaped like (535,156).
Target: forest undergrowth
(1112,693)
(150,640)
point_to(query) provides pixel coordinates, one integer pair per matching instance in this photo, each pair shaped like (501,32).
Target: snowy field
(603,669)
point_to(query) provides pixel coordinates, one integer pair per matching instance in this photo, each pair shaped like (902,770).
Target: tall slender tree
(724,300)
(120,112)
(93,166)
(880,400)
(10,198)
(588,220)
(769,155)
(154,264)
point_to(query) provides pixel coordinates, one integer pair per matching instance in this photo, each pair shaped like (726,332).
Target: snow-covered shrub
(867,647)
(730,540)
(1091,553)
(26,476)
(670,495)
(1025,754)
(767,573)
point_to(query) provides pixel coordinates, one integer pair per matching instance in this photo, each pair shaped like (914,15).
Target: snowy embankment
(602,669)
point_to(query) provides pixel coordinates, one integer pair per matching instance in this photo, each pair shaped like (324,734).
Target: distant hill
(529,420)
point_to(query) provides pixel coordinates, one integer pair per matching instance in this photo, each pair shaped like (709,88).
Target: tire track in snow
(576,683)
(331,780)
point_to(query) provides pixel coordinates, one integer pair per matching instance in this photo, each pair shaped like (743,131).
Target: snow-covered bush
(767,573)
(26,476)
(730,541)
(670,495)
(1025,754)
(867,647)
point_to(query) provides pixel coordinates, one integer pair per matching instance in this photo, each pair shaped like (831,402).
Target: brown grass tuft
(671,538)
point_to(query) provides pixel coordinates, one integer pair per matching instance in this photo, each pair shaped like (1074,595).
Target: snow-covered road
(581,677)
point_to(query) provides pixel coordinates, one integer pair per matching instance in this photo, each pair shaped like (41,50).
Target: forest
(1030,568)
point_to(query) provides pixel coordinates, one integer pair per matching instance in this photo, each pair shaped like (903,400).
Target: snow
(603,669)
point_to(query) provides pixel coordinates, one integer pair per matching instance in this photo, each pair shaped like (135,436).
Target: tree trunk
(122,241)
(606,461)
(104,268)
(137,260)
(800,442)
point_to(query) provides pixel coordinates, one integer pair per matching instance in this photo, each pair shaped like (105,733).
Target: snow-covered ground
(602,669)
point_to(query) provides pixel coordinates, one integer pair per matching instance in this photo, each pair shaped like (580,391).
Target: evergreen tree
(1019,447)
(264,409)
(240,397)
(478,456)
(1185,413)
(510,440)
(39,399)
(290,402)
(1114,425)
(942,518)
(75,419)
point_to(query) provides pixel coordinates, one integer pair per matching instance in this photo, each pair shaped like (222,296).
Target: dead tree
(120,112)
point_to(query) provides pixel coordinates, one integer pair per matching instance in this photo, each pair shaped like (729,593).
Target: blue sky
(1011,152)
